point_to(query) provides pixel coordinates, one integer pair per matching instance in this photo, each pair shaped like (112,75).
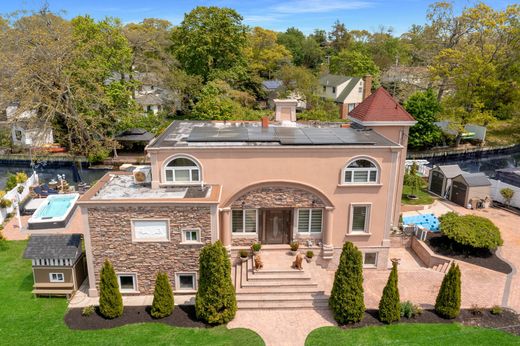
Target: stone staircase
(277,285)
(442,267)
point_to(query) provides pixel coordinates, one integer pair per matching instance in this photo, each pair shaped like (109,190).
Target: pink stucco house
(320,184)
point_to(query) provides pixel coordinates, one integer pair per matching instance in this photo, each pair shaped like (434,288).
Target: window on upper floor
(182,170)
(359,218)
(333,90)
(351,106)
(360,171)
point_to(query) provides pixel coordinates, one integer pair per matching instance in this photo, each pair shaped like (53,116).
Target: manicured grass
(25,320)
(503,132)
(411,334)
(424,196)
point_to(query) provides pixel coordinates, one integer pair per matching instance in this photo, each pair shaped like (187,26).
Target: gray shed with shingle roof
(439,180)
(58,262)
(470,186)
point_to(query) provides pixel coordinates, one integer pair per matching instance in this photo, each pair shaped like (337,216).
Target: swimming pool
(55,212)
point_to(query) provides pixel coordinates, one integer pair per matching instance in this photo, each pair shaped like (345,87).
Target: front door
(277,226)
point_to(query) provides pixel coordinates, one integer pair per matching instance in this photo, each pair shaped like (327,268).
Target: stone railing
(429,258)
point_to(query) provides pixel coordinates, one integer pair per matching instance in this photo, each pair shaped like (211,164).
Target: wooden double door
(276,225)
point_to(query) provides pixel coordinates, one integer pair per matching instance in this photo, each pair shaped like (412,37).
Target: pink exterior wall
(317,167)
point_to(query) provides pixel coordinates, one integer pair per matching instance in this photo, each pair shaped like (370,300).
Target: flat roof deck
(119,187)
(251,133)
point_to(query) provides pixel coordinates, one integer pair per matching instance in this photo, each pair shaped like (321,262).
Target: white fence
(13,195)
(497,185)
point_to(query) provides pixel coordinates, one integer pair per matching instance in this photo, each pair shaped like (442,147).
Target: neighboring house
(25,130)
(58,263)
(506,178)
(274,87)
(416,76)
(347,92)
(241,182)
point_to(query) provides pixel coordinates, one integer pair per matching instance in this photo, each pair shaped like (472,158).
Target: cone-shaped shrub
(110,300)
(162,305)
(447,303)
(346,299)
(215,302)
(390,303)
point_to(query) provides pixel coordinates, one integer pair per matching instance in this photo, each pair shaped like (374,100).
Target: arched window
(182,170)
(361,171)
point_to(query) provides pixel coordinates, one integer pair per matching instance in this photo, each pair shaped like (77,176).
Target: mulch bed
(183,316)
(507,321)
(444,246)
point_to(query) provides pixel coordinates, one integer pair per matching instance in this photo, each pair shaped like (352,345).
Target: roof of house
(333,80)
(450,171)
(380,107)
(135,135)
(475,179)
(272,84)
(251,133)
(348,89)
(54,246)
(149,99)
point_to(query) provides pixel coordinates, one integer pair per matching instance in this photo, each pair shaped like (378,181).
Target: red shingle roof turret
(380,107)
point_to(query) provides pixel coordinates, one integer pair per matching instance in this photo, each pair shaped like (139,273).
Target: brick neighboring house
(347,92)
(320,184)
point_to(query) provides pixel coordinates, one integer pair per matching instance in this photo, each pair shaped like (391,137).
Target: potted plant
(309,255)
(20,189)
(256,248)
(294,248)
(244,254)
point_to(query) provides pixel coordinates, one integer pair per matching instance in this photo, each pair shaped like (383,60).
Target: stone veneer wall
(278,197)
(111,237)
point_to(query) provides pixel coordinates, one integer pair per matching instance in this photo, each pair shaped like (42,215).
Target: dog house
(469,188)
(58,263)
(439,180)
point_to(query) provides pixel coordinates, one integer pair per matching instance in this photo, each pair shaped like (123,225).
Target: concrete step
(278,290)
(295,304)
(279,283)
(271,297)
(277,276)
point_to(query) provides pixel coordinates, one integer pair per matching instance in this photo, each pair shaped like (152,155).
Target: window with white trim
(351,107)
(182,170)
(191,235)
(359,218)
(244,220)
(185,281)
(150,230)
(370,259)
(361,171)
(56,277)
(310,220)
(127,282)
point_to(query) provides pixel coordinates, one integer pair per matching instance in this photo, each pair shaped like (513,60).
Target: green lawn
(25,320)
(503,132)
(411,334)
(424,196)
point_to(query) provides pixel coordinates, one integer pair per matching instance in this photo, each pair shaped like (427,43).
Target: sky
(277,15)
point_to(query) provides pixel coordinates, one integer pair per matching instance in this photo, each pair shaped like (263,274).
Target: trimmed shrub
(162,305)
(410,310)
(110,300)
(507,194)
(496,310)
(471,230)
(447,303)
(346,299)
(88,310)
(390,303)
(11,182)
(215,302)
(21,177)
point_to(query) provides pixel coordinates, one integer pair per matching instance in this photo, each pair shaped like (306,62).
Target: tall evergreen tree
(162,305)
(215,302)
(390,303)
(346,299)
(447,303)
(110,300)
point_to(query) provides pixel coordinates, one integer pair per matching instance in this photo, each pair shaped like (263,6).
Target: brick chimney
(285,109)
(367,87)
(265,122)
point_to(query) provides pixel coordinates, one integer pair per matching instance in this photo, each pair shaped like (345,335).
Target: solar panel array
(282,135)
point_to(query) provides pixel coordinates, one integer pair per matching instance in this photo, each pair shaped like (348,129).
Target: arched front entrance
(277,213)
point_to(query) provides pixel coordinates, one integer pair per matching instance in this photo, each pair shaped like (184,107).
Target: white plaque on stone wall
(150,230)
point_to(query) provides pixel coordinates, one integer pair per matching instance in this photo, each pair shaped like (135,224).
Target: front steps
(277,288)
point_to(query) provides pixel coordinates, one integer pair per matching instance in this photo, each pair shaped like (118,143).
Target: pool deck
(12,231)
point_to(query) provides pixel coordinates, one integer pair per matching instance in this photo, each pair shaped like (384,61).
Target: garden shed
(468,188)
(58,263)
(439,180)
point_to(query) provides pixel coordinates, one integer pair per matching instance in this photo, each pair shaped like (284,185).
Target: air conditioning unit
(142,174)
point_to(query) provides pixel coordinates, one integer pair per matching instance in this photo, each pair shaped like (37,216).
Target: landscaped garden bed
(182,316)
(486,258)
(507,320)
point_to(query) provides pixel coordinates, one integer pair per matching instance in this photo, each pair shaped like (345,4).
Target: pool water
(428,221)
(57,206)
